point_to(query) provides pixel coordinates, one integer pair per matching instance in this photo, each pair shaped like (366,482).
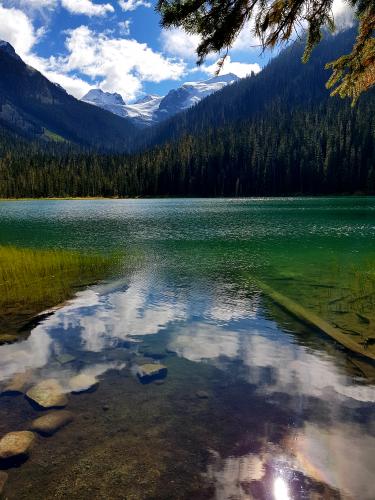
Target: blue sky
(116,45)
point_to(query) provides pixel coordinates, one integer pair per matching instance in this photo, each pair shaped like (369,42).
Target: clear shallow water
(287,414)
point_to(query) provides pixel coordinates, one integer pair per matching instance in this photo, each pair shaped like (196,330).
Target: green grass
(33,280)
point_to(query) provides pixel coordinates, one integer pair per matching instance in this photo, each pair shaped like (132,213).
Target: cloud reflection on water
(225,331)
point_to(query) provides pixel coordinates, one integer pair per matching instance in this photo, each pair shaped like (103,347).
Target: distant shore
(78,198)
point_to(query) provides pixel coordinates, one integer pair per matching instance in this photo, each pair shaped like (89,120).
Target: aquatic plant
(32,280)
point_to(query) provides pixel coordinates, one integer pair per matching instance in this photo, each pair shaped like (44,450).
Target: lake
(253,403)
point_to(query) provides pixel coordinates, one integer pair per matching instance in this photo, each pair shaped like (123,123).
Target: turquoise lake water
(255,405)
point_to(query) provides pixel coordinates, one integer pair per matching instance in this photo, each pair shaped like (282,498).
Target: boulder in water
(83,383)
(48,394)
(16,444)
(47,425)
(151,371)
(17,384)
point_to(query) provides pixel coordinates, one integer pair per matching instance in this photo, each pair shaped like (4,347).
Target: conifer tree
(219,22)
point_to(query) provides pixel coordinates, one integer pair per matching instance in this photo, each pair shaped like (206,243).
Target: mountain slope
(34,107)
(285,83)
(275,134)
(151,109)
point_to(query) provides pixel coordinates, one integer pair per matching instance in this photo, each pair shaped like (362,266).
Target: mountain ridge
(150,110)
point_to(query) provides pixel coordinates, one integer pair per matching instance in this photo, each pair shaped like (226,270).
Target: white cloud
(129,5)
(37,4)
(208,342)
(124,27)
(238,68)
(50,69)
(86,7)
(177,42)
(246,39)
(114,64)
(343,14)
(17,29)
(119,64)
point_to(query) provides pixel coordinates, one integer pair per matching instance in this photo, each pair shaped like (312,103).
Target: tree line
(324,149)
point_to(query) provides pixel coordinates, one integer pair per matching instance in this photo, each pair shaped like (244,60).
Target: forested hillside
(284,84)
(328,151)
(278,133)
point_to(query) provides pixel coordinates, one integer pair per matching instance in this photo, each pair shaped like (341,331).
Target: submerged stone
(15,444)
(17,384)
(83,383)
(3,480)
(149,372)
(48,394)
(48,424)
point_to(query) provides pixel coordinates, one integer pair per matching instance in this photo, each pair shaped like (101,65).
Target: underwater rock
(3,480)
(83,383)
(48,424)
(64,359)
(202,394)
(7,338)
(15,444)
(48,394)
(149,372)
(17,384)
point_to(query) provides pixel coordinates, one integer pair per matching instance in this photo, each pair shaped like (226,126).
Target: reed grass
(32,280)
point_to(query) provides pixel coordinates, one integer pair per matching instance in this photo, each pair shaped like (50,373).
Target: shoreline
(166,197)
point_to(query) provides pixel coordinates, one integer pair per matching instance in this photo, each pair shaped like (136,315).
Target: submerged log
(313,320)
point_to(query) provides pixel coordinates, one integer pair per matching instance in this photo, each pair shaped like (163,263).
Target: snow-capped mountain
(152,109)
(142,112)
(111,102)
(191,93)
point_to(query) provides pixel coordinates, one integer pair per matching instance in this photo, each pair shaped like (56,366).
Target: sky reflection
(327,439)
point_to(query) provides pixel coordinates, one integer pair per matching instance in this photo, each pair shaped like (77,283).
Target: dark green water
(286,414)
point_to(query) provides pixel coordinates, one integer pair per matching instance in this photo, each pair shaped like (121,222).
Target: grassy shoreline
(32,281)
